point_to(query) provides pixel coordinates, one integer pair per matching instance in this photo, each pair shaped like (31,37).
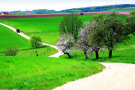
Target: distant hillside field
(9,38)
(121,9)
(78,10)
(45,27)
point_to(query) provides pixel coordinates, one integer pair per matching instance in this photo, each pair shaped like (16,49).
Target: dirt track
(125,13)
(116,76)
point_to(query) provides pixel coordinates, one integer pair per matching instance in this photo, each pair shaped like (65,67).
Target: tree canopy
(35,41)
(70,24)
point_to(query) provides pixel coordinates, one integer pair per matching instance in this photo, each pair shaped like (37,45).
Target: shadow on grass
(44,46)
(113,59)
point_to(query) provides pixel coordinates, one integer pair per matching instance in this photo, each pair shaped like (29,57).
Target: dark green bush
(11,51)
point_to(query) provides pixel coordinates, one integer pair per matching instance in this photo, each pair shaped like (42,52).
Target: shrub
(35,41)
(11,51)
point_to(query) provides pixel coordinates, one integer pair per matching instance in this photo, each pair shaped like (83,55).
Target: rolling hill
(11,39)
(119,7)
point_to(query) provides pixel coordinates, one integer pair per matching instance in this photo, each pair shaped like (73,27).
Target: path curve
(116,76)
(27,37)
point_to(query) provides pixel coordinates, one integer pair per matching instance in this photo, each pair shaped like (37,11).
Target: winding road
(27,37)
(116,76)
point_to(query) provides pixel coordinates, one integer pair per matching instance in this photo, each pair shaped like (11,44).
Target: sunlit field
(46,27)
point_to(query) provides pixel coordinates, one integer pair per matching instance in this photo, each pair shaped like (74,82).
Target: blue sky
(23,5)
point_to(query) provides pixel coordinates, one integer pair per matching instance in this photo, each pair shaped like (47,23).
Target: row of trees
(103,31)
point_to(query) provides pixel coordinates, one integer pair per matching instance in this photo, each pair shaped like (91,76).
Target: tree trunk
(110,53)
(97,56)
(86,54)
(68,55)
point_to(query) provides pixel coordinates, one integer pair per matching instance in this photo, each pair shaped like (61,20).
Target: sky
(23,5)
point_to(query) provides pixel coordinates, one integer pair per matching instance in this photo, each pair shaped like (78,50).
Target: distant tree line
(76,10)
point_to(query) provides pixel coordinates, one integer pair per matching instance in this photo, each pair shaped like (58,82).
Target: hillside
(119,7)
(11,39)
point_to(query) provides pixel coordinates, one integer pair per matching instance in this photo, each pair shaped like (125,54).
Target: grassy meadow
(26,71)
(42,73)
(45,27)
(11,38)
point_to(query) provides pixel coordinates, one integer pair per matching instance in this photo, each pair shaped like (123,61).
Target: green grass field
(42,73)
(26,71)
(43,51)
(46,27)
(12,39)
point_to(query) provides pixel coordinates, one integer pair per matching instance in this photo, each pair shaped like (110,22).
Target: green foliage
(113,31)
(132,13)
(35,41)
(42,73)
(98,16)
(11,51)
(130,24)
(70,24)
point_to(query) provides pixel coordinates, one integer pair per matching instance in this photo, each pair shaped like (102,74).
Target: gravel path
(27,37)
(116,76)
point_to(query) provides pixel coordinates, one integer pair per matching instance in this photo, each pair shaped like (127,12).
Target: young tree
(90,38)
(35,41)
(95,36)
(82,42)
(113,31)
(70,24)
(66,43)
(98,17)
